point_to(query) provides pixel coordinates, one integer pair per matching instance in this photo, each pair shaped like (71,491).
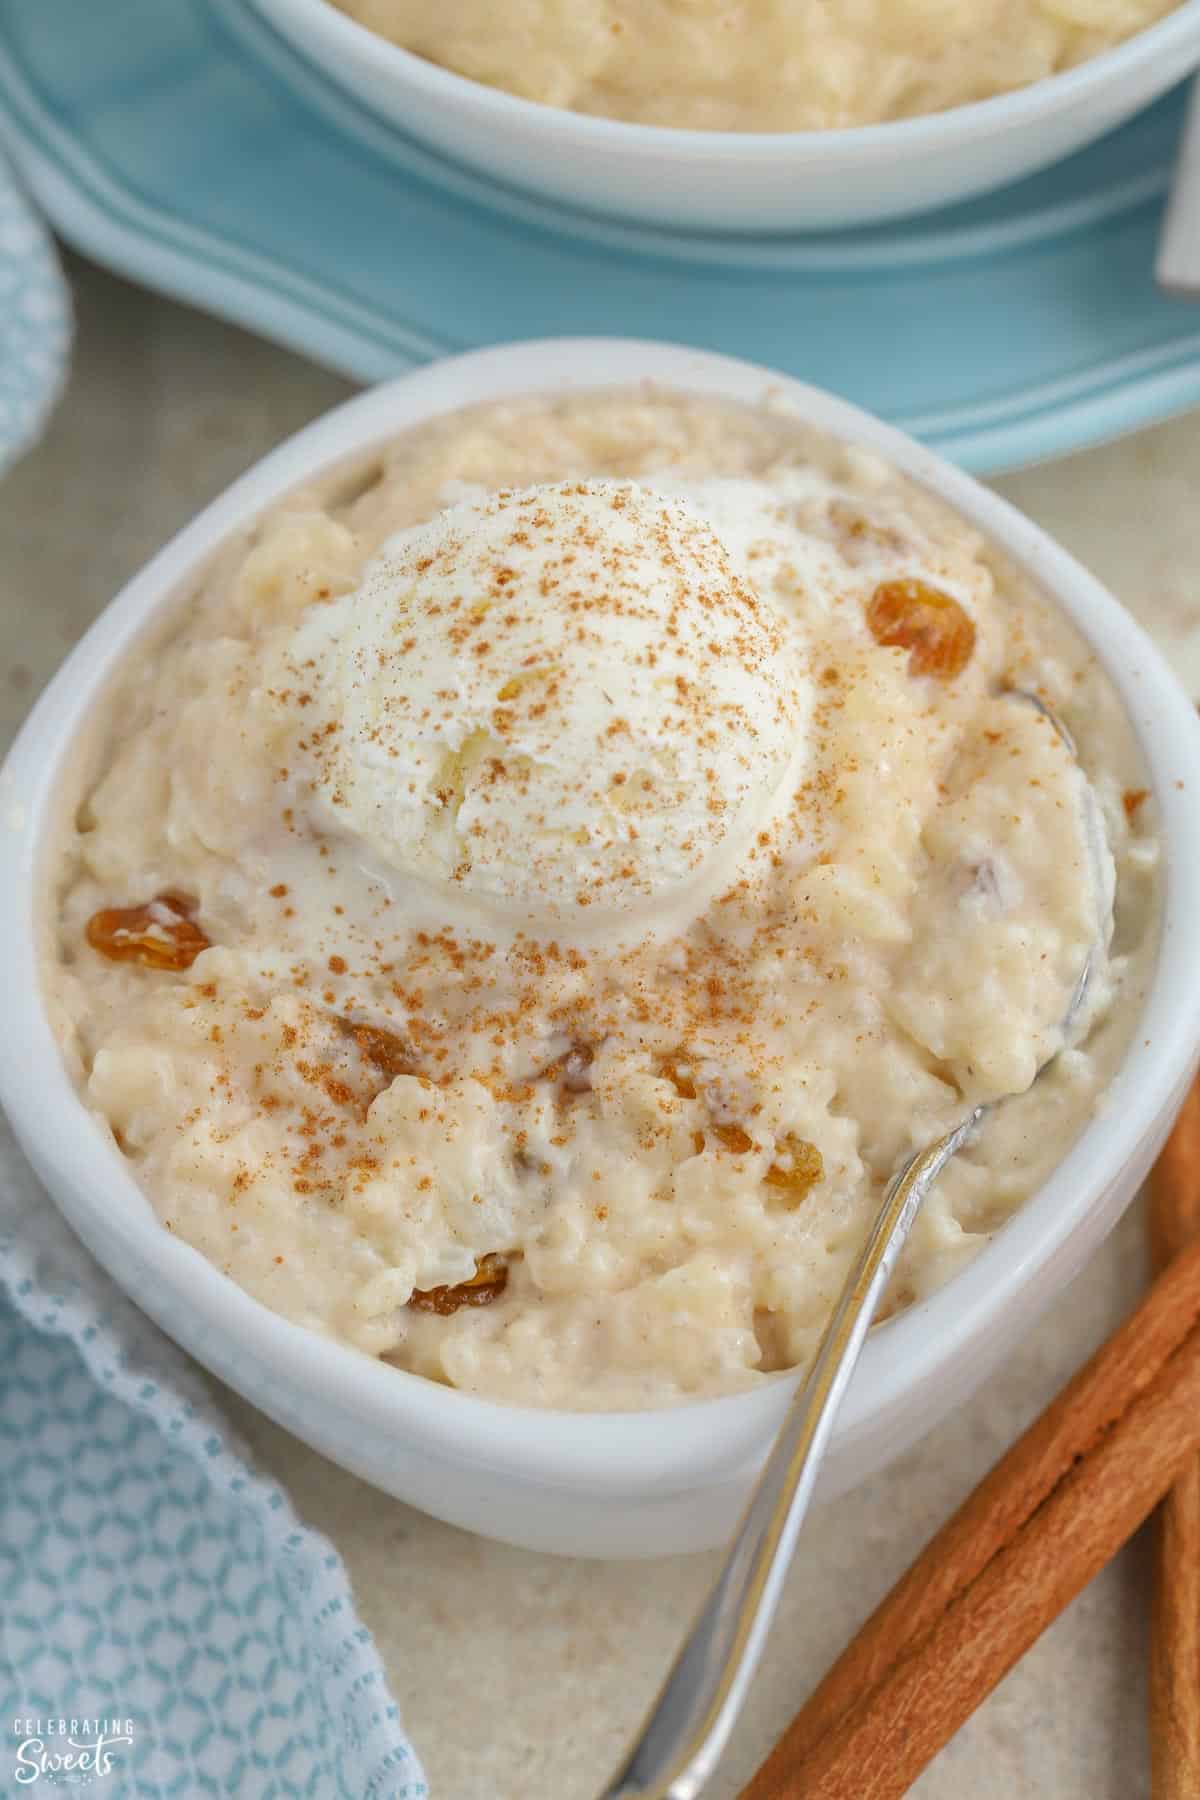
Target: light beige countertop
(520,1676)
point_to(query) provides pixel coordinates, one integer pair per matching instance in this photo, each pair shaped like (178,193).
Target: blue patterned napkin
(35,323)
(167,1626)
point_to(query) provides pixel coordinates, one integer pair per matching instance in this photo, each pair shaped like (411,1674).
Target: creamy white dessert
(757,65)
(557,699)
(520,914)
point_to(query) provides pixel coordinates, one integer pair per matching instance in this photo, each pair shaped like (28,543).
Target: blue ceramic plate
(184,144)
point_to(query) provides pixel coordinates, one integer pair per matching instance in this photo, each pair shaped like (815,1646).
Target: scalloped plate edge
(100,217)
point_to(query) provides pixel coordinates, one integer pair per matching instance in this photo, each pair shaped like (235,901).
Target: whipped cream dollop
(565,704)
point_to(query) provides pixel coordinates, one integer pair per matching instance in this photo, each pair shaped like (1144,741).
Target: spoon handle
(688,1726)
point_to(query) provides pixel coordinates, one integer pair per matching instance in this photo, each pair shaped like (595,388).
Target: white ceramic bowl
(744,181)
(607,1484)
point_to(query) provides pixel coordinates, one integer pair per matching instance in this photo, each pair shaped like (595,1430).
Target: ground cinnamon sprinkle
(682,992)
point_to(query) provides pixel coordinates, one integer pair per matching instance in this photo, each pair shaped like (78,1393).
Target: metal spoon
(689,1724)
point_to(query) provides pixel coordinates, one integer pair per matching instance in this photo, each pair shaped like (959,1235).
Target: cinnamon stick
(1174,1686)
(1050,1514)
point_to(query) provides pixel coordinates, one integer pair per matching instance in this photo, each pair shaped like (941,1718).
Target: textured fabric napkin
(167,1626)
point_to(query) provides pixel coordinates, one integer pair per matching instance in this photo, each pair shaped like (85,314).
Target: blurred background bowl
(744,181)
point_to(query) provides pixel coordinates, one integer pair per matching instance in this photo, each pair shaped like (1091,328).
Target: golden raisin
(669,1069)
(911,615)
(485,1285)
(733,1138)
(806,1167)
(383,1049)
(160,935)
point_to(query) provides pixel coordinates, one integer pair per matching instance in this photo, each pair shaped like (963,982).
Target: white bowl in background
(607,1484)
(744,181)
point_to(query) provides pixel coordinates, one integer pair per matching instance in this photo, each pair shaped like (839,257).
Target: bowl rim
(695,1441)
(338,37)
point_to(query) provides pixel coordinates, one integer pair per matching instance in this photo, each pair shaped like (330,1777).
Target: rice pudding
(536,889)
(758,65)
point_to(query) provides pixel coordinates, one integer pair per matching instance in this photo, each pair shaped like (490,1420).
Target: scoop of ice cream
(560,699)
